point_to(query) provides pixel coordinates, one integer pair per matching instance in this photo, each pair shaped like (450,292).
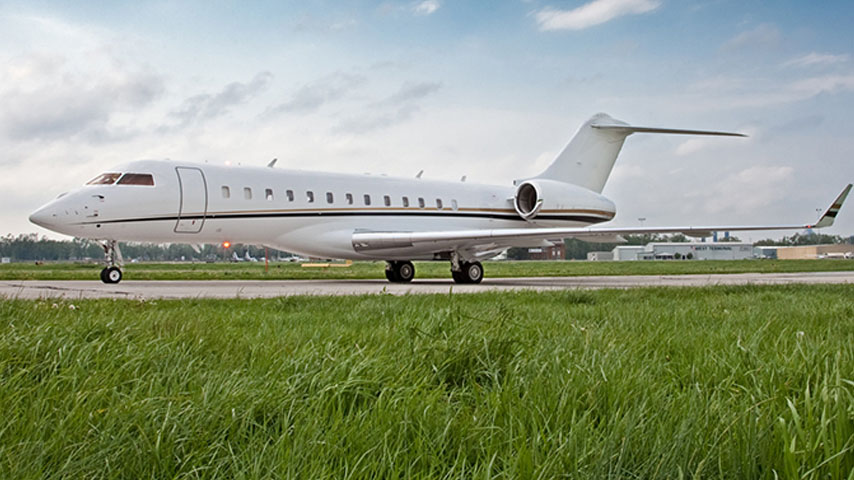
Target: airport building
(684,251)
(806,252)
(555,252)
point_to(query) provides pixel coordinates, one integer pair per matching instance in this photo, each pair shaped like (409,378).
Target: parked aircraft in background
(363,217)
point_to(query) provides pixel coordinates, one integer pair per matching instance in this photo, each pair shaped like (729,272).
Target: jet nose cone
(43,218)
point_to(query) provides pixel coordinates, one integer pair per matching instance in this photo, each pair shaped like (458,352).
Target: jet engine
(539,195)
(528,200)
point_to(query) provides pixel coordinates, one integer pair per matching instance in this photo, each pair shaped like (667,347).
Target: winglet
(826,220)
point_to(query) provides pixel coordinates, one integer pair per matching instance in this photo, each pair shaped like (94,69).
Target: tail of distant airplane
(589,157)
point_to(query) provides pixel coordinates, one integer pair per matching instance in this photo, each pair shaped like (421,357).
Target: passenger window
(367,199)
(268,194)
(137,179)
(420,202)
(439,203)
(454,204)
(226,192)
(290,195)
(309,195)
(405,201)
(104,179)
(387,200)
(329,197)
(349,198)
(247,193)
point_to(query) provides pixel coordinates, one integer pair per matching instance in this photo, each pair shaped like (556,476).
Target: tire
(389,273)
(405,272)
(472,272)
(400,272)
(113,275)
(104,275)
(458,277)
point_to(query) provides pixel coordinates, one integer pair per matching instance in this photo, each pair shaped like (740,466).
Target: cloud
(427,7)
(765,35)
(751,189)
(410,92)
(810,87)
(207,106)
(376,121)
(590,14)
(44,100)
(813,59)
(310,97)
(395,109)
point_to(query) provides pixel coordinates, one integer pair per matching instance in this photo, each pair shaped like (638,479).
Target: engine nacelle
(539,195)
(528,200)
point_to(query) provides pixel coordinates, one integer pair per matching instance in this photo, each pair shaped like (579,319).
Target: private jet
(365,217)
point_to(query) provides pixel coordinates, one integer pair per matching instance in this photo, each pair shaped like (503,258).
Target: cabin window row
(349,199)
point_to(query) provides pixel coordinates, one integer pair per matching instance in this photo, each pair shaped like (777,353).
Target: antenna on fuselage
(420,172)
(272,162)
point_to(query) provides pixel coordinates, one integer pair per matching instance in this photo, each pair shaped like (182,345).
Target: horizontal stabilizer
(630,129)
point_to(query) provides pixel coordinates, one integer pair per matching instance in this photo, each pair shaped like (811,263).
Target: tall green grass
(727,382)
(366,270)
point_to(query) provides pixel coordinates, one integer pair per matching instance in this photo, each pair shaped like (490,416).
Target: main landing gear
(112,273)
(464,271)
(399,271)
(470,272)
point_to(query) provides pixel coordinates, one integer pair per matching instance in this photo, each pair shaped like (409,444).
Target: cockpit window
(104,179)
(137,179)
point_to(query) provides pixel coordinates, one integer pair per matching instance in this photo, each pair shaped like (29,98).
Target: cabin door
(193,200)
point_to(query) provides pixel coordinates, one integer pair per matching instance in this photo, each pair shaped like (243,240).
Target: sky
(488,89)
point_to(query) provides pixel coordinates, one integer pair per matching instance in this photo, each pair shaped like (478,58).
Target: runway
(73,289)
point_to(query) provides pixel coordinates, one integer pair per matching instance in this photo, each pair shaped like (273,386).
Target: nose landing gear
(112,273)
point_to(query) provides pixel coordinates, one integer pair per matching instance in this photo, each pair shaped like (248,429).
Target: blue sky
(491,90)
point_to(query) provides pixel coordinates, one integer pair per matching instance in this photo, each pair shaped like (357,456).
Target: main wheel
(405,271)
(389,273)
(400,272)
(104,275)
(112,275)
(471,272)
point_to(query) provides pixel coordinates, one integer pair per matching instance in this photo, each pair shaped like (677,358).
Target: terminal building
(684,251)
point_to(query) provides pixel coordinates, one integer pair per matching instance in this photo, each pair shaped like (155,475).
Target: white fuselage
(310,213)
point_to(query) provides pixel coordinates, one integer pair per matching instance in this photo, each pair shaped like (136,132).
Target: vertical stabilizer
(589,158)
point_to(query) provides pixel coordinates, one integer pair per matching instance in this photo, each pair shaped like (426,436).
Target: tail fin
(589,157)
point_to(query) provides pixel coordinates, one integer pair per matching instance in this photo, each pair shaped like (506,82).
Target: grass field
(362,270)
(725,382)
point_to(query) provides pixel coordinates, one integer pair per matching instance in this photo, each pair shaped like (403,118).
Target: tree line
(31,247)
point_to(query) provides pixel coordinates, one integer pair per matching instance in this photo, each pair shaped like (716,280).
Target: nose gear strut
(112,273)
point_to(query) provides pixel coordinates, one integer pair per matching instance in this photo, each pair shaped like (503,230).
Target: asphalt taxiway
(155,289)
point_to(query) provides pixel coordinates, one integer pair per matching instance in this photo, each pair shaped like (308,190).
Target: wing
(496,240)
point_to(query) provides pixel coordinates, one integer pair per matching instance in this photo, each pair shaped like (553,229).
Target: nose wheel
(112,273)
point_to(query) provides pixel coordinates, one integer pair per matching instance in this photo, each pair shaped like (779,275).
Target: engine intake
(528,200)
